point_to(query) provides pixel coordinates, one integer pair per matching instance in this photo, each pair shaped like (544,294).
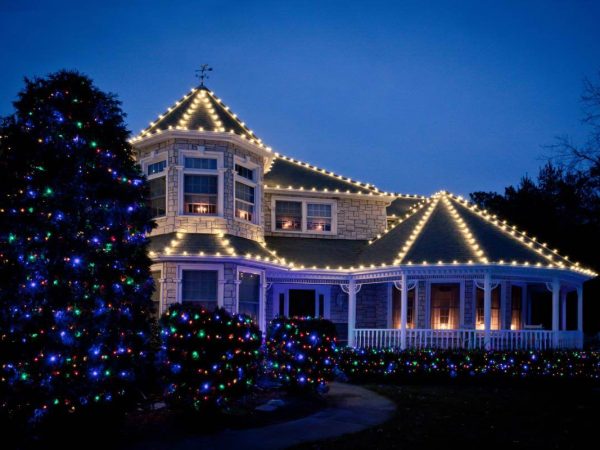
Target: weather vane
(202,74)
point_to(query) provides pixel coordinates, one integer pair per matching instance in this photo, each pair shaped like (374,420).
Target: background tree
(562,206)
(74,274)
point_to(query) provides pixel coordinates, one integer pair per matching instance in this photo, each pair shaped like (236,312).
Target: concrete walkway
(353,408)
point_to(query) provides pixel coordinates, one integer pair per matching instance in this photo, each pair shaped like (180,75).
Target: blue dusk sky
(411,96)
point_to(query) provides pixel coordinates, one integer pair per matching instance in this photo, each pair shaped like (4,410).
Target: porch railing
(469,339)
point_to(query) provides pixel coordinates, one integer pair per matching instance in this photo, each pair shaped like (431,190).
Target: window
(156,167)
(304,216)
(516,307)
(244,172)
(480,319)
(244,201)
(200,287)
(288,216)
(155,274)
(318,217)
(200,194)
(200,163)
(445,306)
(397,308)
(158,196)
(249,294)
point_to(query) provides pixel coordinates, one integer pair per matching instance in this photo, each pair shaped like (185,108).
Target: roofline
(160,135)
(329,193)
(528,270)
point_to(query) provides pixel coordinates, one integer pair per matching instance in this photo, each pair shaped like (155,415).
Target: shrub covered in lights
(208,357)
(74,274)
(381,365)
(301,352)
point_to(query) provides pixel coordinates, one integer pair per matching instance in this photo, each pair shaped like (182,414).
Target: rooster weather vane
(202,73)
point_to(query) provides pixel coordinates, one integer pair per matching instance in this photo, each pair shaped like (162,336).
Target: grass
(466,416)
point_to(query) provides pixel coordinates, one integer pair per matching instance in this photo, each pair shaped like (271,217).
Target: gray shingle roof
(441,229)
(200,109)
(210,244)
(402,205)
(317,252)
(286,172)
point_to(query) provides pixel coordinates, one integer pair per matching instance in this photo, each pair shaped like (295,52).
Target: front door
(302,303)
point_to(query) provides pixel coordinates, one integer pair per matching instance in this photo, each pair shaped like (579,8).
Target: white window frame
(257,216)
(219,172)
(202,267)
(261,293)
(461,303)
(304,202)
(320,289)
(153,158)
(161,282)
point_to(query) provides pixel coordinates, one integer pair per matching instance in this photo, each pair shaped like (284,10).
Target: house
(257,232)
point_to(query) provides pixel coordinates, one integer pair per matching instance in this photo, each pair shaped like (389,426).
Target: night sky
(409,97)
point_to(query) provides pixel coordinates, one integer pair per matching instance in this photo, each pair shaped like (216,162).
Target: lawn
(464,416)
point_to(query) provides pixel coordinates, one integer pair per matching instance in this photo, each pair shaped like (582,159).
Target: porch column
(403,311)
(563,310)
(487,309)
(524,307)
(162,305)
(580,309)
(262,305)
(351,311)
(555,311)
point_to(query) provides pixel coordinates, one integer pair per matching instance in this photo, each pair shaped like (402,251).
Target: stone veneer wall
(171,281)
(372,306)
(228,224)
(357,218)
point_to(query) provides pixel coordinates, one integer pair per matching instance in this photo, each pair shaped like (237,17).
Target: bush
(301,351)
(381,365)
(207,358)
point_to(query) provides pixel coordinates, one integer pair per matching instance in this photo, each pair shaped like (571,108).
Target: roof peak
(200,110)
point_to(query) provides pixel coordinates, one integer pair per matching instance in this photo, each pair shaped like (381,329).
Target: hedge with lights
(301,351)
(208,358)
(390,365)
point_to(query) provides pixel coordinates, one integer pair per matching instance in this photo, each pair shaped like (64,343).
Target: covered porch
(444,306)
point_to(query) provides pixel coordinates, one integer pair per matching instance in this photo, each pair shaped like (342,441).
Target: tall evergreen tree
(75,288)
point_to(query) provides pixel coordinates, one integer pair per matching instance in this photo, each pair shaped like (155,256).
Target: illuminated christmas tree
(75,307)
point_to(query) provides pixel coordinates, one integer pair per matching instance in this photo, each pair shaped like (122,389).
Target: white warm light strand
(464,230)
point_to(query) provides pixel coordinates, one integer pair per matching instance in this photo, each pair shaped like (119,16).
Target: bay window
(244,201)
(157,185)
(200,194)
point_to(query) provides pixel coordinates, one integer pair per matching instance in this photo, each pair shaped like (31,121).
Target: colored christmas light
(301,351)
(64,307)
(208,358)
